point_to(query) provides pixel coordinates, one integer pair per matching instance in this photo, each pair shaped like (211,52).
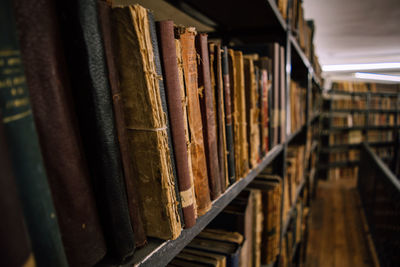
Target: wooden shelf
(159,252)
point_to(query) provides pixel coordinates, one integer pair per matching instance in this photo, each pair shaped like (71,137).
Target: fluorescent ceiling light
(370,66)
(373,76)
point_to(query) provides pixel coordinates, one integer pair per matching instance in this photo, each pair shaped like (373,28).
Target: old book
(240,112)
(88,73)
(173,90)
(274,114)
(252,112)
(129,175)
(23,144)
(184,103)
(216,65)
(199,165)
(265,84)
(204,260)
(59,139)
(146,121)
(221,259)
(14,240)
(228,117)
(257,220)
(208,116)
(282,95)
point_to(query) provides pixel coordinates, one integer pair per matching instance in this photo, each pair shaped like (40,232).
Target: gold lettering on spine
(16,116)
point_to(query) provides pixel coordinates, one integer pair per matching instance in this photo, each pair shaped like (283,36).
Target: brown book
(282,95)
(14,240)
(129,175)
(216,65)
(60,143)
(173,90)
(208,116)
(274,116)
(199,165)
(258,218)
(265,84)
(252,112)
(145,121)
(240,112)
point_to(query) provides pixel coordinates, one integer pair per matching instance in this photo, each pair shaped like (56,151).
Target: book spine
(228,117)
(88,72)
(208,116)
(24,148)
(282,94)
(14,240)
(199,165)
(156,53)
(172,87)
(220,104)
(55,121)
(129,175)
(275,94)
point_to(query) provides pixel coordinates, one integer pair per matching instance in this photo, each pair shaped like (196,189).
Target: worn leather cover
(56,124)
(129,175)
(146,121)
(228,117)
(274,115)
(234,106)
(265,84)
(87,67)
(199,165)
(208,116)
(252,112)
(172,87)
(23,144)
(240,112)
(14,240)
(282,95)
(220,111)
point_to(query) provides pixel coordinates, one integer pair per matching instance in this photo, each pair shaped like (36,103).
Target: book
(282,95)
(252,112)
(274,114)
(208,116)
(221,260)
(24,150)
(216,64)
(186,36)
(228,116)
(59,139)
(127,164)
(146,121)
(14,238)
(87,68)
(173,90)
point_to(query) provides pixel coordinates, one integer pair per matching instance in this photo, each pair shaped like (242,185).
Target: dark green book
(24,148)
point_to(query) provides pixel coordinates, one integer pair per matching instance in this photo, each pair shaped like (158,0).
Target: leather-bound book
(208,116)
(265,83)
(14,240)
(216,65)
(146,121)
(199,165)
(235,115)
(129,174)
(252,112)
(240,112)
(87,68)
(228,117)
(23,144)
(274,115)
(172,86)
(59,139)
(282,95)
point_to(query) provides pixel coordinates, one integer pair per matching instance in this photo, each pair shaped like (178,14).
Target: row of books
(350,137)
(119,128)
(343,173)
(348,120)
(380,136)
(384,152)
(298,101)
(251,221)
(341,156)
(360,87)
(348,102)
(379,119)
(386,103)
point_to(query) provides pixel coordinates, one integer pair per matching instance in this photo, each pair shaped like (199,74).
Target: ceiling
(355,31)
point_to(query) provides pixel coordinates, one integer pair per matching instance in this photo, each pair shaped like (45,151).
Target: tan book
(258,218)
(186,37)
(220,259)
(146,122)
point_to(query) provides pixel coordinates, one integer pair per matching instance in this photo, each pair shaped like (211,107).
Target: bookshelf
(249,26)
(375,118)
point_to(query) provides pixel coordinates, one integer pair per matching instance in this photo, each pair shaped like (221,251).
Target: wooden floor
(336,232)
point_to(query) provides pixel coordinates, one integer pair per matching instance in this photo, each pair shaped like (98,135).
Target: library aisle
(336,228)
